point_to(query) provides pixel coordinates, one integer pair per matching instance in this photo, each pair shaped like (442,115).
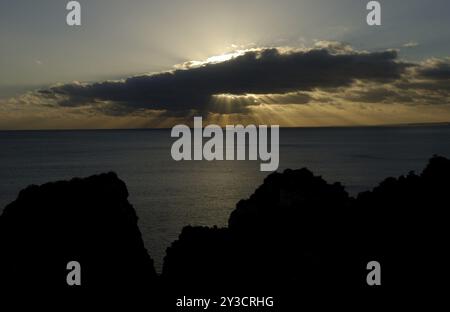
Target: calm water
(168,195)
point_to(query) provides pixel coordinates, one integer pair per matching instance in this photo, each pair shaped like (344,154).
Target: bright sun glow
(214,59)
(224,57)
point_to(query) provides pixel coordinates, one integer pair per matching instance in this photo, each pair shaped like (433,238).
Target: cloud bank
(261,72)
(330,72)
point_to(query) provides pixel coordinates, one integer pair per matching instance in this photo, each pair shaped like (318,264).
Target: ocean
(168,195)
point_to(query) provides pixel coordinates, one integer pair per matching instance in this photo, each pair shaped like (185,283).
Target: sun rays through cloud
(330,83)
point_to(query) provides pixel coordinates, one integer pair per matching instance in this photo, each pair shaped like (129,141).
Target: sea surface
(168,195)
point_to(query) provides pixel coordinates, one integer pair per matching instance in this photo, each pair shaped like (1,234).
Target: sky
(158,63)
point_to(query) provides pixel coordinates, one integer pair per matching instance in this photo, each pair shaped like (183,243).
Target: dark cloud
(426,83)
(378,95)
(268,72)
(435,69)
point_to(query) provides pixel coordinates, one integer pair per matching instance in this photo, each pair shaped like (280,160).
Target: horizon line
(418,124)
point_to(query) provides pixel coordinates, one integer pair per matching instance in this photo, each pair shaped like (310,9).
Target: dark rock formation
(278,237)
(296,236)
(299,235)
(195,255)
(86,220)
(404,223)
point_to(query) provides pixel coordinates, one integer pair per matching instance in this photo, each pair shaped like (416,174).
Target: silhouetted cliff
(297,235)
(87,220)
(271,237)
(404,222)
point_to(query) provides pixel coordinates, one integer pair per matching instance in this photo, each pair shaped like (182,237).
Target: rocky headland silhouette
(87,220)
(296,235)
